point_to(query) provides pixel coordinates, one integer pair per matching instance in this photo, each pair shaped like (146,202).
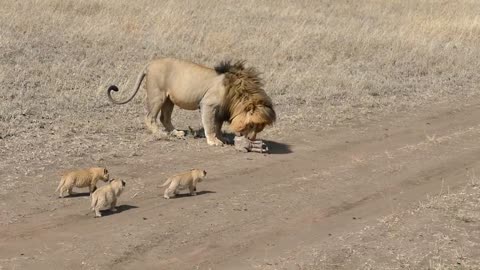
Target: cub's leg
(170,191)
(62,191)
(208,117)
(112,205)
(92,188)
(97,212)
(193,189)
(70,191)
(166,118)
(167,194)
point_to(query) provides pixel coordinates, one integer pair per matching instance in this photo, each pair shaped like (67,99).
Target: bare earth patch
(441,233)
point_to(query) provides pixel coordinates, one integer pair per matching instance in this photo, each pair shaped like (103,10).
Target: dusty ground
(342,199)
(374,160)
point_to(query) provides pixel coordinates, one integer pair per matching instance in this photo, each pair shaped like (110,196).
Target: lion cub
(82,178)
(183,180)
(105,197)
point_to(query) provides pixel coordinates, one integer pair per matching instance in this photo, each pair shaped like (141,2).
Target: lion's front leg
(218,130)
(208,121)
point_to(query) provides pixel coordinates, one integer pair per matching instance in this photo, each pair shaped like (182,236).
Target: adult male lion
(229,92)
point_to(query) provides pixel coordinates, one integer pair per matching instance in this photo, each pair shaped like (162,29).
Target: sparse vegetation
(323,62)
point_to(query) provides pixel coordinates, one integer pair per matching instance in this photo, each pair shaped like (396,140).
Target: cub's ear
(105,171)
(123,183)
(204,172)
(109,181)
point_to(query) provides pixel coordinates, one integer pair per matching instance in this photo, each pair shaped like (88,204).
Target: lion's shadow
(275,148)
(78,194)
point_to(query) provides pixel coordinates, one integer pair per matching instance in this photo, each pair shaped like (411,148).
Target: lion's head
(246,106)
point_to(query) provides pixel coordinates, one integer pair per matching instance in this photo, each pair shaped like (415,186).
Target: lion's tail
(137,86)
(169,180)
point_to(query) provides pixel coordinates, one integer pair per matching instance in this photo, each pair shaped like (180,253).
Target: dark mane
(244,88)
(226,66)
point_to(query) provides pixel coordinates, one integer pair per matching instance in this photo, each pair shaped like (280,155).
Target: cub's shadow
(186,194)
(120,208)
(275,148)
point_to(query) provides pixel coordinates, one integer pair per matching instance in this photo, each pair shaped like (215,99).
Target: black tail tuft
(112,88)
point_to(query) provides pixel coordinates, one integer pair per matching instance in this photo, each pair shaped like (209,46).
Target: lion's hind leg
(154,107)
(166,118)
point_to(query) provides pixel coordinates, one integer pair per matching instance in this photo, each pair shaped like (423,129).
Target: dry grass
(323,61)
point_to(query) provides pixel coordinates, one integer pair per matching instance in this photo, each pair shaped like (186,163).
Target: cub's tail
(169,180)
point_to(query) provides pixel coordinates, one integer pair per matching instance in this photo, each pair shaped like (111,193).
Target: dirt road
(254,211)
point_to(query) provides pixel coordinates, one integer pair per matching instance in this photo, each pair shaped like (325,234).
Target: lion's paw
(215,142)
(160,135)
(178,133)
